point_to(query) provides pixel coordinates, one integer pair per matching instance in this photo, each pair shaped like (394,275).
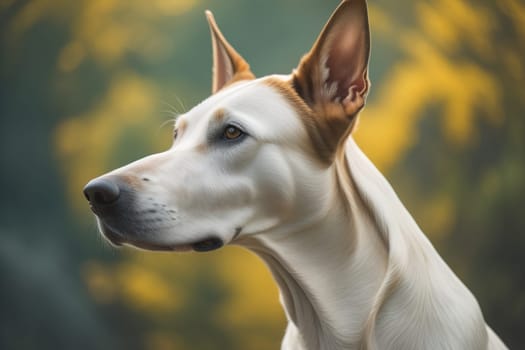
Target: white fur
(353,268)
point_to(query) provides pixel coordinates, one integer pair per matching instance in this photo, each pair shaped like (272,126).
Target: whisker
(173,112)
(171,120)
(181,104)
(172,108)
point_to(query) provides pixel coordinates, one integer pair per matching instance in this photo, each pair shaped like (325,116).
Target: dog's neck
(323,270)
(357,275)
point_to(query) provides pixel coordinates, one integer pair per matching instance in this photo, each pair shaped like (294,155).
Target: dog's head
(254,157)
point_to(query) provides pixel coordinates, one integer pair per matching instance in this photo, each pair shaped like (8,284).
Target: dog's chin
(117,239)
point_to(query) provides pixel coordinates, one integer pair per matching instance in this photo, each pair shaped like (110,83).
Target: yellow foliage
(380,21)
(106,30)
(437,25)
(429,78)
(254,294)
(140,286)
(452,22)
(112,28)
(144,289)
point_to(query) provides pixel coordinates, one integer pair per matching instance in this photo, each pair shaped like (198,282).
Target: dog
(270,164)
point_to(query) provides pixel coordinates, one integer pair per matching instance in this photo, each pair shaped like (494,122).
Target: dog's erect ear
(333,77)
(228,65)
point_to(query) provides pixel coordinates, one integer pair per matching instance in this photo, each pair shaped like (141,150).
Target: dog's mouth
(126,219)
(117,239)
(208,244)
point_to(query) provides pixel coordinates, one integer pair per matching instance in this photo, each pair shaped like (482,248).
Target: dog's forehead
(260,104)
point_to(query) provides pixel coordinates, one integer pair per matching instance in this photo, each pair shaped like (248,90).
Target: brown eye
(175,133)
(232,132)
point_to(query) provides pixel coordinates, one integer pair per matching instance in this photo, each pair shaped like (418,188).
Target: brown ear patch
(325,134)
(332,78)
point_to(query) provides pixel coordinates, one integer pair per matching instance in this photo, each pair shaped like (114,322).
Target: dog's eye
(175,133)
(232,132)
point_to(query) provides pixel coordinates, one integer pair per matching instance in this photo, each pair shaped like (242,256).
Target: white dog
(269,164)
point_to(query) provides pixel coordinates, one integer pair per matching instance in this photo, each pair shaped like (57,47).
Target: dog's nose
(102,191)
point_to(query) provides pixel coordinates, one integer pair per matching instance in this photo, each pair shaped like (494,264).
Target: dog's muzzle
(113,202)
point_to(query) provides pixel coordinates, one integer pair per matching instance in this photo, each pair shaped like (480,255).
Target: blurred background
(89,85)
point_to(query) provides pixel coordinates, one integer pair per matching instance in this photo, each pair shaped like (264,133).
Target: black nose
(102,191)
